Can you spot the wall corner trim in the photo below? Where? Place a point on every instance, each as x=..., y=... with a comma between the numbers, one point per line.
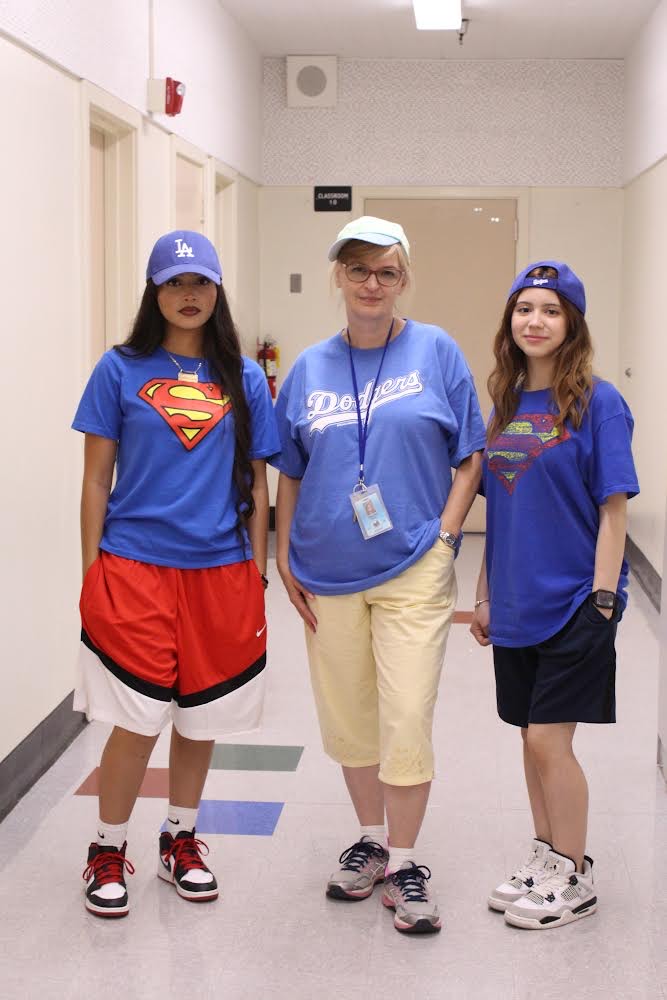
x=648, y=578
x=37, y=752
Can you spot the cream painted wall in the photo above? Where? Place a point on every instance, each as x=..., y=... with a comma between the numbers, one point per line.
x=106, y=43
x=247, y=298
x=42, y=358
x=198, y=43
x=645, y=139
x=203, y=45
x=643, y=348
x=582, y=225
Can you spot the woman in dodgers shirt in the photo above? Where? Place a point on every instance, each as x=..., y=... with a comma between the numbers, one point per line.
x=174, y=556
x=557, y=475
x=369, y=522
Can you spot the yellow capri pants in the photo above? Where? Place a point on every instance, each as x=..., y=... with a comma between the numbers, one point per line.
x=375, y=663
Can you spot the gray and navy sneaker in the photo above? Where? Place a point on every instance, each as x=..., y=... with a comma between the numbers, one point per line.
x=361, y=868
x=181, y=864
x=565, y=895
x=523, y=880
x=106, y=892
x=406, y=893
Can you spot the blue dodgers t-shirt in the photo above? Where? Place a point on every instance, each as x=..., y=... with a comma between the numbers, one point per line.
x=543, y=490
x=173, y=503
x=424, y=419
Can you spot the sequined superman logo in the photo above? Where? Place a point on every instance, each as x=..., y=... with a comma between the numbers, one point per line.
x=522, y=442
x=191, y=410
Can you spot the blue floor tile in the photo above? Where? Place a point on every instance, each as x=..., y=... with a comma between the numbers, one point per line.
x=254, y=819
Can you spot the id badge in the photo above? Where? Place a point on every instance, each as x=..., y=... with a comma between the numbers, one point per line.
x=370, y=512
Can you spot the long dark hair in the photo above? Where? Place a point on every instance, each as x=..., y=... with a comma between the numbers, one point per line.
x=222, y=350
x=573, y=374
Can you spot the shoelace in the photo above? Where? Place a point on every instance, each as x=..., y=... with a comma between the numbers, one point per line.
x=108, y=866
x=411, y=882
x=529, y=871
x=354, y=858
x=187, y=853
x=553, y=884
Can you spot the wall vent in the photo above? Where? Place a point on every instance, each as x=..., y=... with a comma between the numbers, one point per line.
x=312, y=81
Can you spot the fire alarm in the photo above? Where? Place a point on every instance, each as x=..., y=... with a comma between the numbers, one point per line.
x=166, y=96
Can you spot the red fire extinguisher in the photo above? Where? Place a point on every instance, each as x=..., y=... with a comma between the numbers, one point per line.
x=268, y=357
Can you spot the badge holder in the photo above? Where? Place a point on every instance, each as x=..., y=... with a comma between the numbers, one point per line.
x=370, y=512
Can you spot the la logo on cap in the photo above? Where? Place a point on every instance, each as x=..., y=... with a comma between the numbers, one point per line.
x=183, y=250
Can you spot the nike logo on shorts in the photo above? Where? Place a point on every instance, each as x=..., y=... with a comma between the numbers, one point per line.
x=261, y=630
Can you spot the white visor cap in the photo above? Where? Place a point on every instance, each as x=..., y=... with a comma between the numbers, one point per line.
x=368, y=229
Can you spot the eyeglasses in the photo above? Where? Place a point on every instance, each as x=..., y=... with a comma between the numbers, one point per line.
x=387, y=276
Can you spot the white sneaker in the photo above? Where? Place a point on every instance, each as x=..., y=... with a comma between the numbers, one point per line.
x=524, y=879
x=565, y=895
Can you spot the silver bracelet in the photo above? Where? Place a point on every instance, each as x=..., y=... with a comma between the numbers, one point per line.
x=485, y=600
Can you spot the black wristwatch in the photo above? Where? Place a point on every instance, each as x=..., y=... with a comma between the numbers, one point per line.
x=265, y=580
x=604, y=599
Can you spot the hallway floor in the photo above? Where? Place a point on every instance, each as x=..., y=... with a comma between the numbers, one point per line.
x=276, y=817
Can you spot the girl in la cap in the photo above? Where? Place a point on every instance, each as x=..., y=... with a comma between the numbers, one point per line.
x=372, y=421
x=558, y=472
x=174, y=557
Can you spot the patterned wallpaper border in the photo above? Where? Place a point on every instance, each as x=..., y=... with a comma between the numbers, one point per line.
x=459, y=123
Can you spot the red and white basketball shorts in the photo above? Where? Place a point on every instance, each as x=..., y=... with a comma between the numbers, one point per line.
x=161, y=644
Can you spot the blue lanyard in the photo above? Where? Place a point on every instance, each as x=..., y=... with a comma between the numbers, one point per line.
x=363, y=429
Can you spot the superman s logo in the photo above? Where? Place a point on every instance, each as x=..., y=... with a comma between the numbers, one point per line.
x=523, y=442
x=192, y=410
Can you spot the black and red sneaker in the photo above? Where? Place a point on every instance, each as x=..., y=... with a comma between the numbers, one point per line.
x=106, y=892
x=181, y=864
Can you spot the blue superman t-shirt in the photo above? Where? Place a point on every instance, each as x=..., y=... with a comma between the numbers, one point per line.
x=424, y=419
x=173, y=502
x=543, y=490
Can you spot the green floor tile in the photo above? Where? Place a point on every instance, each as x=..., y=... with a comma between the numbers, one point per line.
x=250, y=757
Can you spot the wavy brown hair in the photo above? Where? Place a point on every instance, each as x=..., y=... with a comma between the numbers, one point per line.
x=222, y=350
x=573, y=372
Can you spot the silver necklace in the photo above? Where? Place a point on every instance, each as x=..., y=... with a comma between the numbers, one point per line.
x=184, y=376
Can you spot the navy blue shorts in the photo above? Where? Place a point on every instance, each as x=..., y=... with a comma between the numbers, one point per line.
x=570, y=677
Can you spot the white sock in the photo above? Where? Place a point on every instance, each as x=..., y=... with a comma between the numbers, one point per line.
x=109, y=835
x=397, y=855
x=180, y=818
x=375, y=833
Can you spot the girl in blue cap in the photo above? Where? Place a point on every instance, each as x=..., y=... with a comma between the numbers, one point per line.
x=174, y=557
x=558, y=472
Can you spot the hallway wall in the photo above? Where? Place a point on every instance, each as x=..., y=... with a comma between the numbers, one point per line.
x=643, y=343
x=199, y=43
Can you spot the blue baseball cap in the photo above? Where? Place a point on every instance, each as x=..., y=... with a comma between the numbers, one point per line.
x=566, y=283
x=183, y=252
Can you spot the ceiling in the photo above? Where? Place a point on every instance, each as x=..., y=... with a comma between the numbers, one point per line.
x=498, y=29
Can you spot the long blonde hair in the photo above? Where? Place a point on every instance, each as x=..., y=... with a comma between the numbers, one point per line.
x=573, y=373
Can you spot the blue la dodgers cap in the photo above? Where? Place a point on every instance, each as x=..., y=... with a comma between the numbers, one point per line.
x=182, y=252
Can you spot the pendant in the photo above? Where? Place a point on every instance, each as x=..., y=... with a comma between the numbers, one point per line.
x=187, y=376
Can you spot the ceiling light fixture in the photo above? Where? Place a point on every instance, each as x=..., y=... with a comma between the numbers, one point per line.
x=437, y=15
